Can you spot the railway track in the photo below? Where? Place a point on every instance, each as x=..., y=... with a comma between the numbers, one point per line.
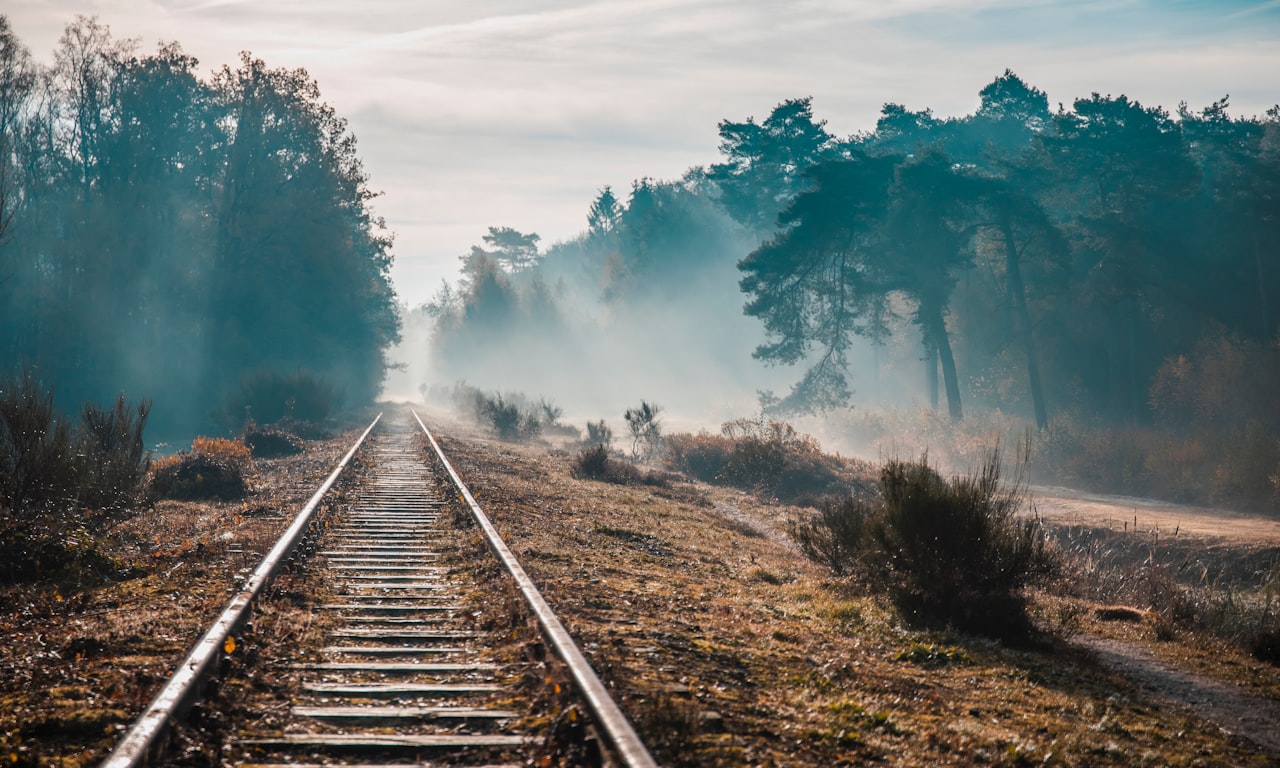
x=398, y=674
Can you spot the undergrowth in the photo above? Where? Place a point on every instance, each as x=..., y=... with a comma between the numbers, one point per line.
x=947, y=552
x=63, y=482
x=1187, y=587
x=769, y=458
x=214, y=468
x=512, y=417
x=269, y=397
x=595, y=463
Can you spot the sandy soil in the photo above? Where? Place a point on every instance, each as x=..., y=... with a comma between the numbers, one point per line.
x=1232, y=707
x=1162, y=518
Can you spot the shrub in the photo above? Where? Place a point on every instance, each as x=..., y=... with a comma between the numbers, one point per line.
x=38, y=464
x=548, y=414
x=60, y=484
x=837, y=536
x=267, y=397
x=512, y=416
x=950, y=552
x=599, y=433
x=215, y=468
x=702, y=456
x=595, y=463
x=954, y=551
x=508, y=419
x=270, y=442
x=768, y=458
x=114, y=455
x=646, y=430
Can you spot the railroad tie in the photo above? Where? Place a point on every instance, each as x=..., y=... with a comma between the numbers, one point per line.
x=400, y=677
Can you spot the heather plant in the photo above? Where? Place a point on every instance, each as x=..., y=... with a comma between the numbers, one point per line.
x=214, y=468
x=955, y=551
x=61, y=483
x=114, y=455
x=599, y=433
x=837, y=536
x=38, y=462
x=595, y=463
x=949, y=552
x=766, y=457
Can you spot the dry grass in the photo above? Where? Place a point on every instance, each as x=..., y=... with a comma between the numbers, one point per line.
x=80, y=662
x=728, y=648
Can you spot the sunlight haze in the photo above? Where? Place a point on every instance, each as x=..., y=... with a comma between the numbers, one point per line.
x=480, y=114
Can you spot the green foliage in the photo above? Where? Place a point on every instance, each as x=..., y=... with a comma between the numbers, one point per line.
x=220, y=224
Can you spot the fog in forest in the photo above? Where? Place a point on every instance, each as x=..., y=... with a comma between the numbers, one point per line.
x=1099, y=280
x=204, y=243
x=1102, y=276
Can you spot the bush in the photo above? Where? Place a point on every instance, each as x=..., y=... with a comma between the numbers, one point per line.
x=267, y=397
x=512, y=416
x=114, y=455
x=270, y=442
x=955, y=552
x=599, y=433
x=508, y=419
x=215, y=468
x=60, y=484
x=646, y=430
x=595, y=463
x=768, y=458
x=950, y=552
x=837, y=536
x=38, y=461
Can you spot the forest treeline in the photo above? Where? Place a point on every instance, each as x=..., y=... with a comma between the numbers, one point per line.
x=1105, y=262
x=168, y=235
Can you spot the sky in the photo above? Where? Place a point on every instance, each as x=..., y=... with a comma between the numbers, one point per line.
x=504, y=113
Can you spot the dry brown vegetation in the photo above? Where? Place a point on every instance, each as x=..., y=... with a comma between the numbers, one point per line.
x=80, y=659
x=723, y=643
x=728, y=647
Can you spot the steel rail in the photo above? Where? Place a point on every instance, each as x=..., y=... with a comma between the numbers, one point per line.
x=618, y=732
x=143, y=740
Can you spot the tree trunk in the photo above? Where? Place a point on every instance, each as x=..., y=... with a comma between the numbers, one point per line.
x=1264, y=310
x=942, y=342
x=1016, y=297
x=931, y=373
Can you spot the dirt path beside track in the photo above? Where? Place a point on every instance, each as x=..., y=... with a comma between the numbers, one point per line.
x=1157, y=518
